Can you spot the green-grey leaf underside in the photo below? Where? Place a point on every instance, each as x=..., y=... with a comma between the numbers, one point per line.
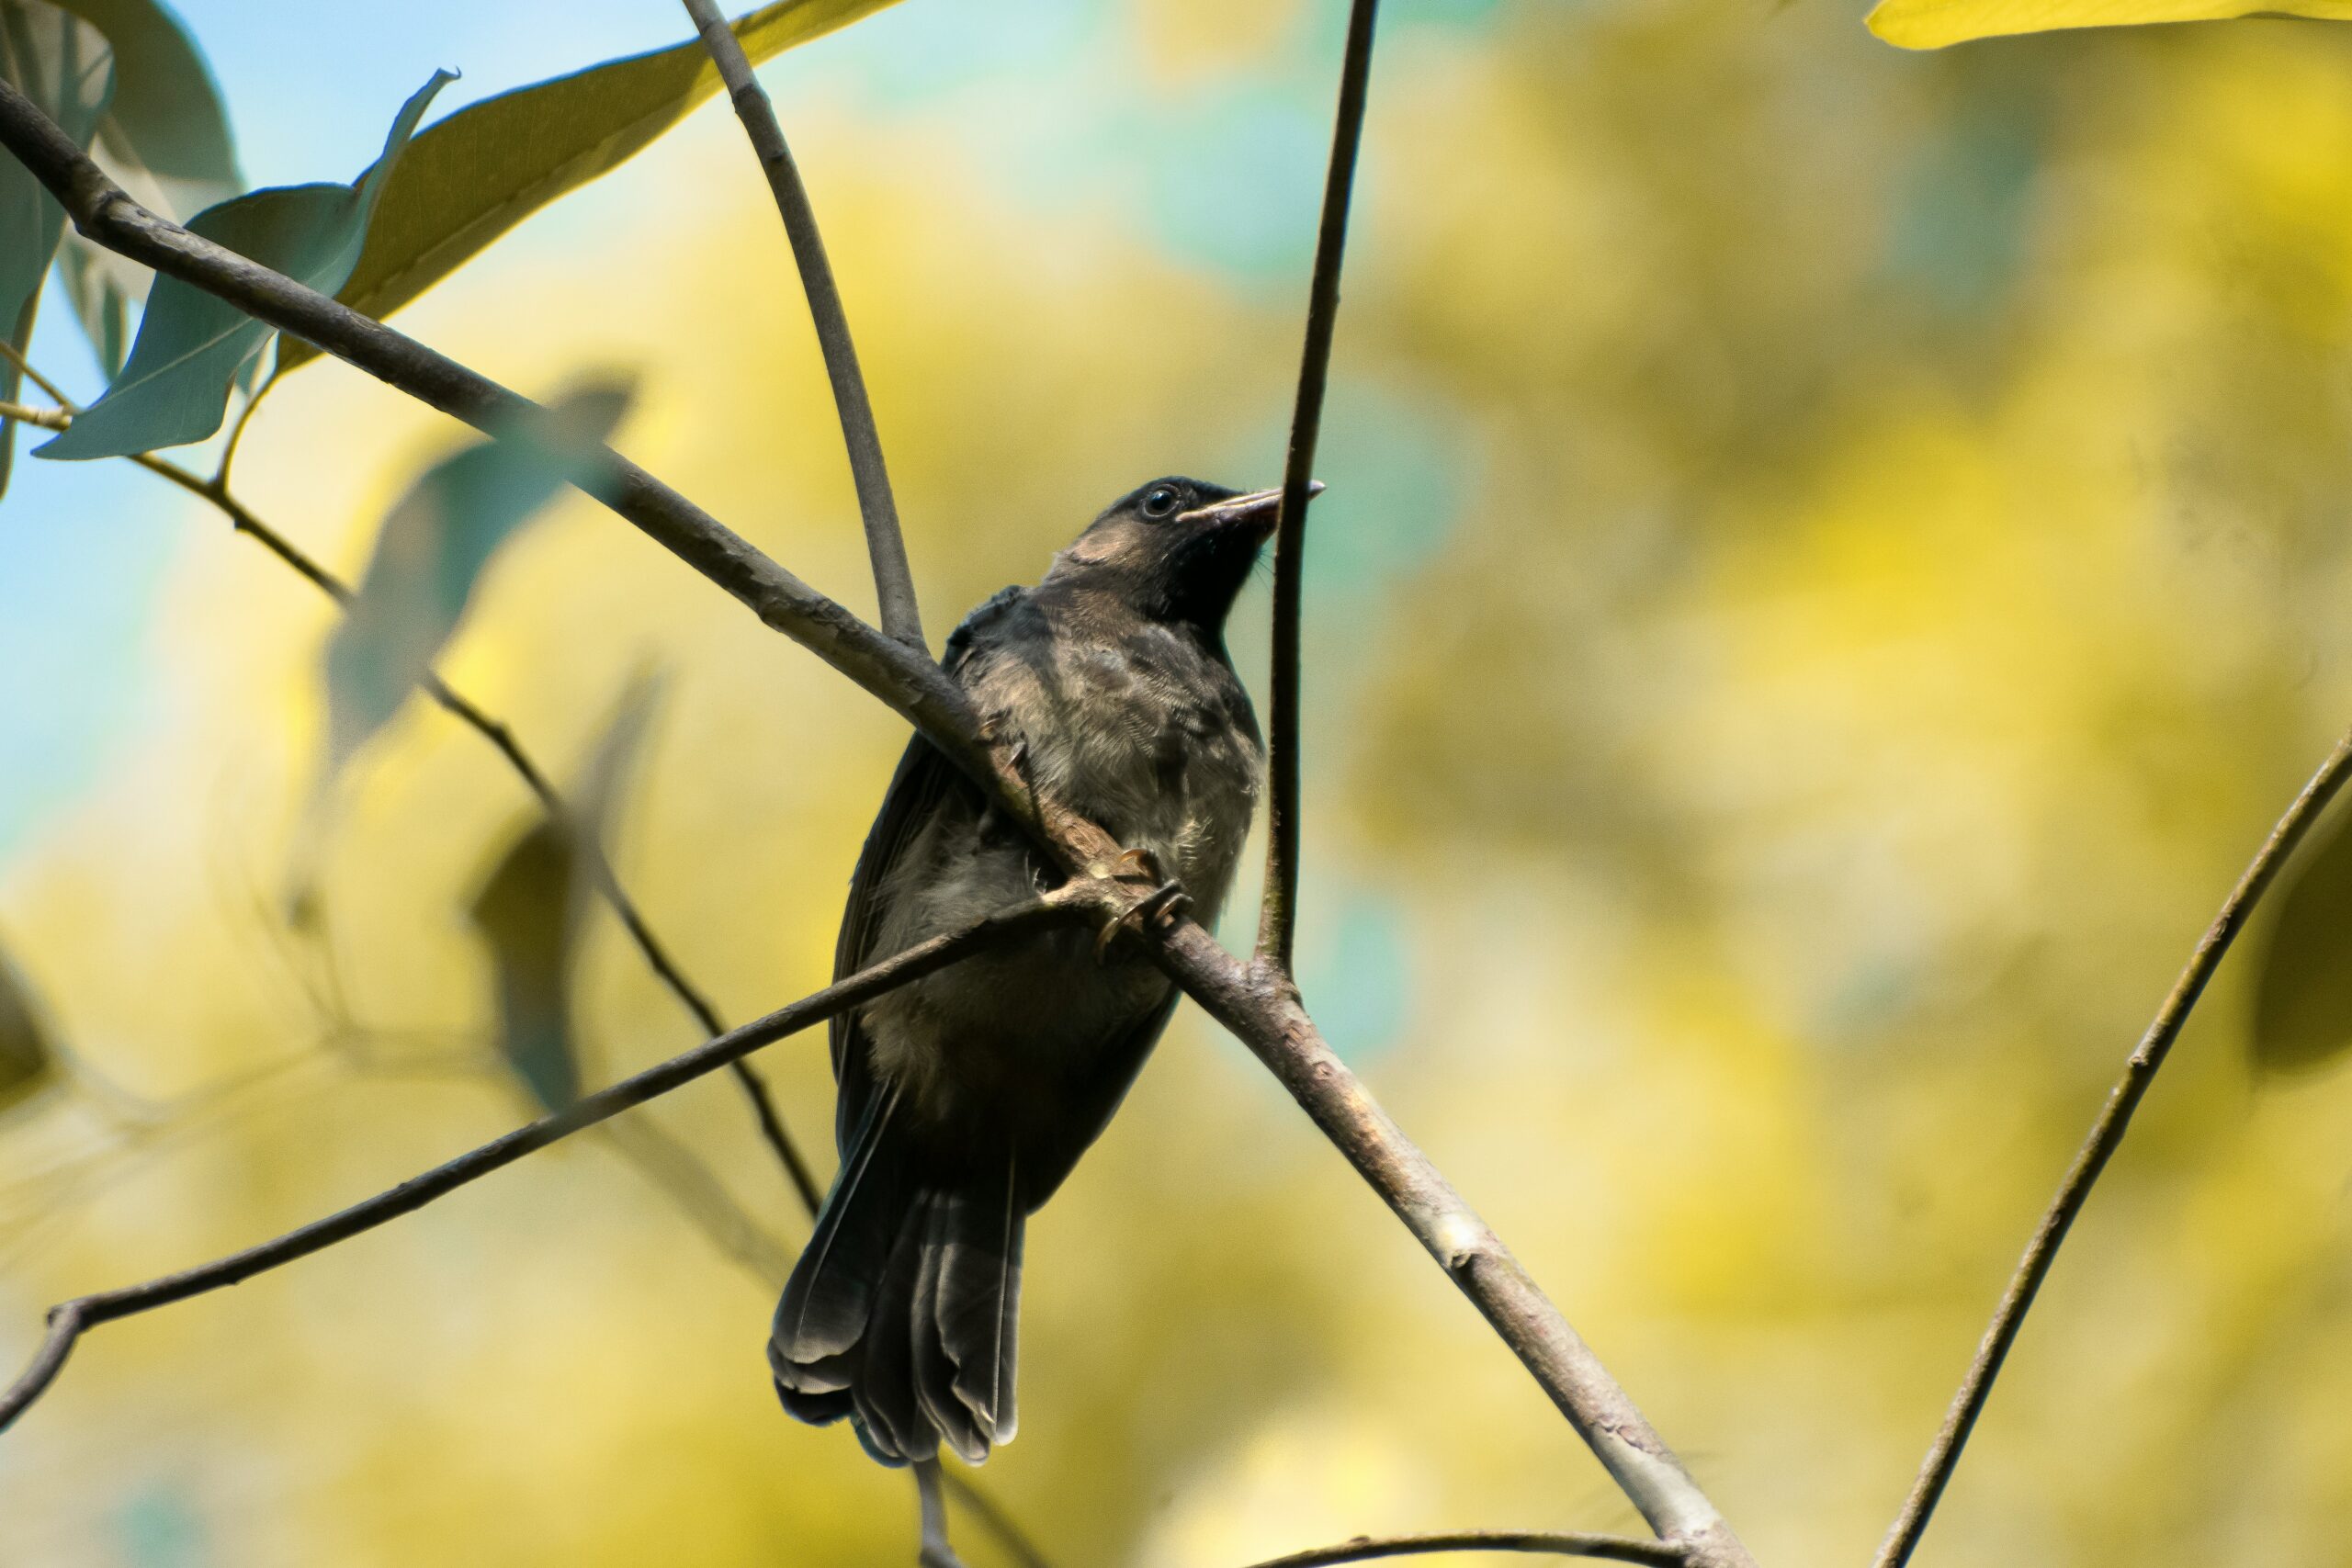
x=486, y=168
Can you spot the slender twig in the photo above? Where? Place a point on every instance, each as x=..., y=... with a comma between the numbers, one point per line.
x=1615, y=1547
x=894, y=583
x=1278, y=910
x=46, y=419
x=14, y=357
x=2106, y=1136
x=70, y=1320
x=501, y=738
x=1255, y=1002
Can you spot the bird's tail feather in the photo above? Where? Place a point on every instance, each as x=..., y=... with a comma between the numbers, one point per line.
x=901, y=1310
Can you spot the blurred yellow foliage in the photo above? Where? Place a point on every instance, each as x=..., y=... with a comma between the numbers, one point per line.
x=1856, y=561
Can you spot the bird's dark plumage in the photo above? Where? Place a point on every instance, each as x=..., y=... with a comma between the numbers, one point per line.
x=964, y=1098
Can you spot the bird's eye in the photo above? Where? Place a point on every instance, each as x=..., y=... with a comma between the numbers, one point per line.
x=1159, y=502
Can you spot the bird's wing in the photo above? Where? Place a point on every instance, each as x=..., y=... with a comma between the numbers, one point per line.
x=924, y=780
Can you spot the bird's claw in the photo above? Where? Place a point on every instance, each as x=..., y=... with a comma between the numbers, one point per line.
x=1162, y=904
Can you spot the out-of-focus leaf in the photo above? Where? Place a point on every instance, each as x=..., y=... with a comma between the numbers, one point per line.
x=167, y=118
x=489, y=166
x=2302, y=1003
x=100, y=301
x=523, y=912
x=25, y=1052
x=533, y=911
x=435, y=547
x=193, y=347
x=1932, y=24
x=63, y=66
x=164, y=139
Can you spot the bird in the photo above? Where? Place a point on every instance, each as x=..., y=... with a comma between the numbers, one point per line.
x=964, y=1098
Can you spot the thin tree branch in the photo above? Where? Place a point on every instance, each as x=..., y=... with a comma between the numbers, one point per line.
x=657, y=957
x=46, y=419
x=1257, y=1001
x=70, y=1320
x=14, y=357
x=1277, y=909
x=894, y=583
x=2106, y=1136
x=1614, y=1548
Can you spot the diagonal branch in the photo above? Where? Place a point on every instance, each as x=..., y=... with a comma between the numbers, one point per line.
x=2106, y=1136
x=1278, y=912
x=1257, y=1002
x=502, y=738
x=894, y=585
x=70, y=1320
x=1579, y=1543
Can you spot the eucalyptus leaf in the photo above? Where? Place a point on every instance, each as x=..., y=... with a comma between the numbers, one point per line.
x=2302, y=1005
x=1932, y=24
x=25, y=1056
x=534, y=906
x=193, y=347
x=167, y=117
x=101, y=300
x=64, y=66
x=435, y=547
x=484, y=169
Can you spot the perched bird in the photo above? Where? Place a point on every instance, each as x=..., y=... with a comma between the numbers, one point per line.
x=965, y=1097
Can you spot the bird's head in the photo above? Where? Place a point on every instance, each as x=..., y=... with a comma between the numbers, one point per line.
x=1175, y=550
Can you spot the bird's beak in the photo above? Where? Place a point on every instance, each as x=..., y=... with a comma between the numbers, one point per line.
x=1256, y=511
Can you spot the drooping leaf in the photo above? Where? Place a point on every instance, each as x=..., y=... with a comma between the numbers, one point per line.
x=1932, y=24
x=101, y=300
x=524, y=912
x=167, y=118
x=435, y=547
x=486, y=167
x=165, y=140
x=2302, y=1005
x=63, y=65
x=533, y=912
x=25, y=1052
x=192, y=348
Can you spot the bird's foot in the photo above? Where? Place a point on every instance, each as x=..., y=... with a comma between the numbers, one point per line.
x=1159, y=906
x=1140, y=864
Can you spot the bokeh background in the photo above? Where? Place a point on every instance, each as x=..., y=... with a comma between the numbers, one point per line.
x=1833, y=559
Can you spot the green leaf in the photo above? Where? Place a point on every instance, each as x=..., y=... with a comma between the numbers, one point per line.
x=167, y=118
x=486, y=168
x=165, y=140
x=193, y=347
x=433, y=548
x=2303, y=1004
x=26, y=1057
x=64, y=67
x=533, y=911
x=1932, y=24
x=101, y=302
